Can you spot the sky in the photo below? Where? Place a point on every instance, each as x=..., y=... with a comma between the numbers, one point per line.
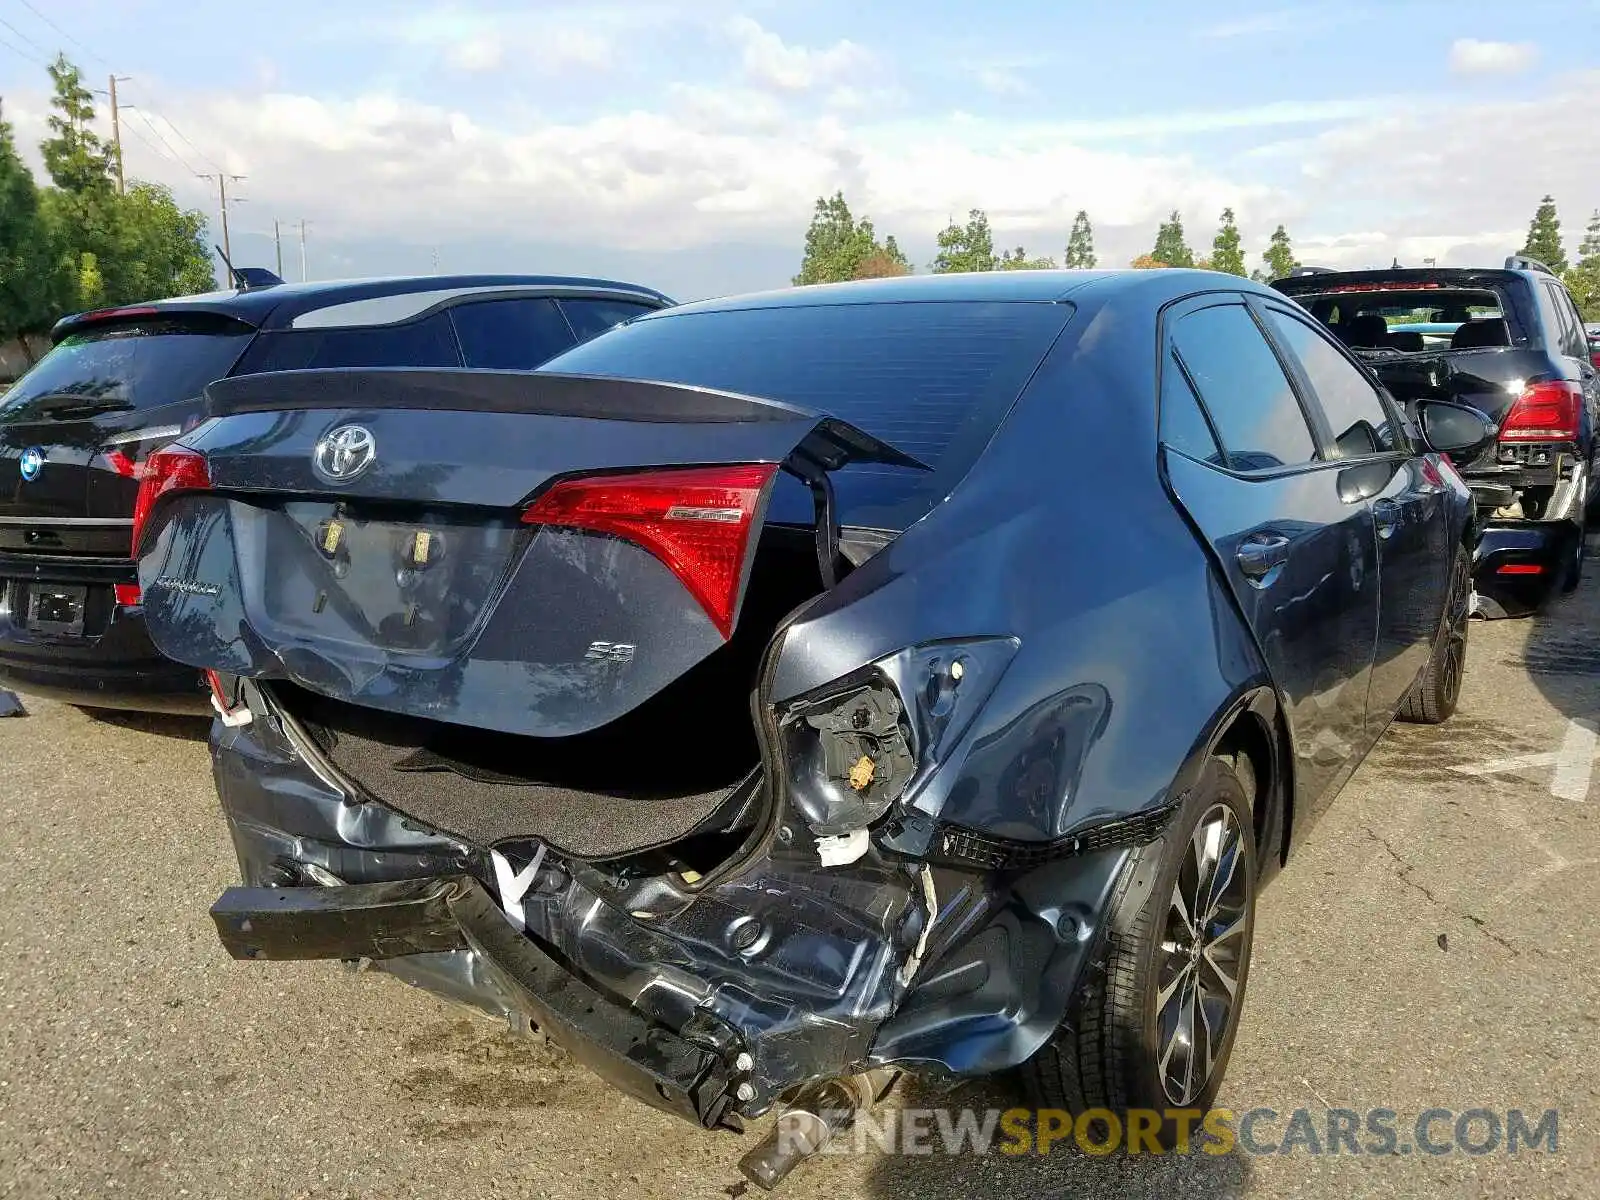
x=684, y=145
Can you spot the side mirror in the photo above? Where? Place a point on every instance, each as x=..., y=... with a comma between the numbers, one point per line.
x=1454, y=428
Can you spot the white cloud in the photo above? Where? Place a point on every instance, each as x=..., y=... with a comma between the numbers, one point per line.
x=1469, y=56
x=769, y=60
x=478, y=53
x=731, y=156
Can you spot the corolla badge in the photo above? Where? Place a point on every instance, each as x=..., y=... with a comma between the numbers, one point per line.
x=31, y=463
x=345, y=452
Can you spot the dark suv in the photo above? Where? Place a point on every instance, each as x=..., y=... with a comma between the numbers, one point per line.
x=1510, y=343
x=120, y=383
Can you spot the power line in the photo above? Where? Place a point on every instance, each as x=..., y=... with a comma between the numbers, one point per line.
x=183, y=137
x=20, y=53
x=152, y=127
x=23, y=36
x=27, y=5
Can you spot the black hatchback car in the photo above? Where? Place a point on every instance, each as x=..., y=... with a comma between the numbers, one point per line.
x=120, y=383
x=1509, y=342
x=778, y=691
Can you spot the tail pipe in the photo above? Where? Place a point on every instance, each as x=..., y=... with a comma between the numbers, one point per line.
x=810, y=1121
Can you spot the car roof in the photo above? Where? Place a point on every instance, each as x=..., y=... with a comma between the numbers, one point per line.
x=974, y=286
x=278, y=305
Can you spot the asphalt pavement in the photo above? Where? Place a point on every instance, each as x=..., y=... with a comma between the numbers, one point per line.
x=1430, y=946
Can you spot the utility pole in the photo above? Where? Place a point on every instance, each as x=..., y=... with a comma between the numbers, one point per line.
x=302, y=249
x=222, y=201
x=277, y=241
x=116, y=127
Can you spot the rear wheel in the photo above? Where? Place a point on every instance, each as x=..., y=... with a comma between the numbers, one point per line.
x=1156, y=1025
x=1433, y=697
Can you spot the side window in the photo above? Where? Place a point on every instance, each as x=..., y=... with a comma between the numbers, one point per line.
x=1552, y=335
x=426, y=343
x=593, y=317
x=510, y=335
x=1355, y=412
x=1572, y=339
x=1183, y=424
x=1244, y=389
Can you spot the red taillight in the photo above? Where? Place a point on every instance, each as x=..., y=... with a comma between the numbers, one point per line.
x=166, y=471
x=1544, y=412
x=1520, y=569
x=696, y=520
x=125, y=593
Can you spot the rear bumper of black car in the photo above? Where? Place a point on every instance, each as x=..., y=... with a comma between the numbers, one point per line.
x=1518, y=564
x=708, y=1003
x=112, y=663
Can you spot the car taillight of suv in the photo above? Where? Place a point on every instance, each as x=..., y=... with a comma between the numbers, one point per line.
x=1544, y=412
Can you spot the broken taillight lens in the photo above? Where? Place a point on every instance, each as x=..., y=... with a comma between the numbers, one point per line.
x=177, y=469
x=1544, y=412
x=696, y=520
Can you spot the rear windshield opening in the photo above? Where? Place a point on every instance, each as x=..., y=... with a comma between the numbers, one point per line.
x=933, y=379
x=680, y=764
x=123, y=367
x=1412, y=320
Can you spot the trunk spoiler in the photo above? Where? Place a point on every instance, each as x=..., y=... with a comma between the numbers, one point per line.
x=832, y=444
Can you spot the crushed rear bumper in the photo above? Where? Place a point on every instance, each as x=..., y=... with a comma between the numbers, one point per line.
x=711, y=1003
x=697, y=1081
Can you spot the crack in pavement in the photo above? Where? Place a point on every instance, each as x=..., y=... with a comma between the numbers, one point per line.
x=1403, y=873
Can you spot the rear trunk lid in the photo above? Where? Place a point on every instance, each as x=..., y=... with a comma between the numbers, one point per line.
x=446, y=544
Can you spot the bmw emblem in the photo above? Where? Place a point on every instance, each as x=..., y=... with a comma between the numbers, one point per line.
x=31, y=463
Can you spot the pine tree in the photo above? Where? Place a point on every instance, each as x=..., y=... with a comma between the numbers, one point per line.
x=73, y=154
x=1583, y=279
x=838, y=247
x=1170, y=247
x=1226, y=254
x=1080, y=244
x=1279, y=255
x=968, y=247
x=1544, y=237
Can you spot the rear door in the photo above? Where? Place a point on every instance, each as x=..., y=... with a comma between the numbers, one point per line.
x=1299, y=556
x=1408, y=499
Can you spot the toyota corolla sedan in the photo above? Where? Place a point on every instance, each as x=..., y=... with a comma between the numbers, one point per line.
x=781, y=692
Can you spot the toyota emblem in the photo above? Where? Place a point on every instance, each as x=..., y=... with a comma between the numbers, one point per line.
x=345, y=452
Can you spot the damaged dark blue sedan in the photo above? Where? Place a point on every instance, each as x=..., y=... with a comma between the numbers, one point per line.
x=780, y=692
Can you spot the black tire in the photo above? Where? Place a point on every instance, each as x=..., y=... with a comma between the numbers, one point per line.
x=1433, y=697
x=1115, y=1050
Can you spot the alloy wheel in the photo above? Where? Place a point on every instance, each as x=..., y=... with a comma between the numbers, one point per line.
x=1458, y=615
x=1202, y=955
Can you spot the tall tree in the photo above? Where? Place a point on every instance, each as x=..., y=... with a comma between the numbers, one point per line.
x=1170, y=247
x=31, y=286
x=968, y=247
x=73, y=154
x=1018, y=260
x=1544, y=237
x=161, y=250
x=1279, y=255
x=1226, y=253
x=1080, y=244
x=1583, y=278
x=838, y=247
